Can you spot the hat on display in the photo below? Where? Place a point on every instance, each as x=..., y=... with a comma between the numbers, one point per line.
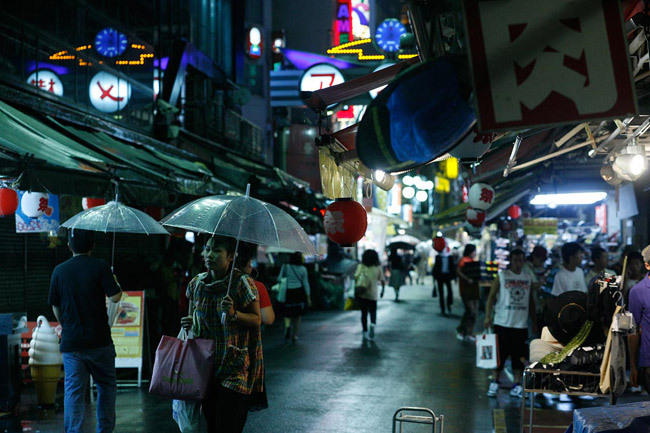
x=421, y=115
x=566, y=315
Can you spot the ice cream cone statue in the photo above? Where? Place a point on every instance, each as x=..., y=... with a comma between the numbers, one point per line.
x=45, y=361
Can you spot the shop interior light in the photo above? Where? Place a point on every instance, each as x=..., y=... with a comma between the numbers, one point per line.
x=407, y=180
x=568, y=198
x=383, y=180
x=378, y=175
x=429, y=185
x=421, y=196
x=408, y=192
x=630, y=163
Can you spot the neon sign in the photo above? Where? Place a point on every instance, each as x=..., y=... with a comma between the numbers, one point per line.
x=347, y=48
x=343, y=22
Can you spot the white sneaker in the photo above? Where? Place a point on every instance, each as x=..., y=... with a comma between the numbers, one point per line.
x=636, y=389
x=493, y=389
x=517, y=391
x=470, y=338
x=365, y=335
x=460, y=336
x=371, y=332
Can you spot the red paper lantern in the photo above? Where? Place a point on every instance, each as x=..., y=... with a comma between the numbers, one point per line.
x=439, y=243
x=345, y=221
x=8, y=201
x=514, y=211
x=475, y=217
x=89, y=202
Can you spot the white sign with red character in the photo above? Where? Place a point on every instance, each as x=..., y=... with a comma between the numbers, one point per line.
x=319, y=77
x=46, y=80
x=545, y=62
x=109, y=93
x=481, y=196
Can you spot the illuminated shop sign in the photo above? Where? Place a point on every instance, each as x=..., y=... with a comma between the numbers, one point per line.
x=46, y=80
x=343, y=22
x=109, y=93
x=254, y=43
x=319, y=77
x=360, y=48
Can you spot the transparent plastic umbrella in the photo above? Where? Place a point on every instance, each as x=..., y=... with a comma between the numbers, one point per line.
x=115, y=217
x=243, y=218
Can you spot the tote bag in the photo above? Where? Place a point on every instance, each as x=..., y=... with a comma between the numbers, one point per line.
x=487, y=351
x=183, y=367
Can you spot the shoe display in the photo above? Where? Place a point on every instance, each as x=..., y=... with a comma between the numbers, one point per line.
x=517, y=391
x=371, y=332
x=493, y=389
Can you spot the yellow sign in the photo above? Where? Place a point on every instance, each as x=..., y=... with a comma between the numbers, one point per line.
x=441, y=185
x=450, y=168
x=127, y=330
x=538, y=226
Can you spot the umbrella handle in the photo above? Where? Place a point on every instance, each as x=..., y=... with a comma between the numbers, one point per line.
x=234, y=259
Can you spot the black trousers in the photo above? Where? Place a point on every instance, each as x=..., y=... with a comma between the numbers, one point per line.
x=440, y=282
x=224, y=410
x=367, y=306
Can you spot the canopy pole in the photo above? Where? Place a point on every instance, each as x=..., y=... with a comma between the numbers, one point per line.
x=234, y=259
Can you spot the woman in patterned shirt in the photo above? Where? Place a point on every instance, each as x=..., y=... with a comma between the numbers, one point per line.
x=238, y=355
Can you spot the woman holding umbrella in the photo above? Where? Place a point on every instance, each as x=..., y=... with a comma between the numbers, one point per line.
x=237, y=370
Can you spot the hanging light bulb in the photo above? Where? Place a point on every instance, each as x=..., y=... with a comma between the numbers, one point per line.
x=631, y=162
x=383, y=180
x=421, y=196
x=407, y=180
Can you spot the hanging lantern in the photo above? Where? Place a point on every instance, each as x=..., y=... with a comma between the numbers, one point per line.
x=475, y=217
x=35, y=204
x=89, y=202
x=345, y=221
x=8, y=201
x=439, y=243
x=481, y=196
x=514, y=211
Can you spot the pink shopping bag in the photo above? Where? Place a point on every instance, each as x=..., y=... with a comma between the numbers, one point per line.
x=183, y=367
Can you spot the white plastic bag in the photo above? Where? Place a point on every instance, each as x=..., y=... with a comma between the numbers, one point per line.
x=487, y=351
x=187, y=415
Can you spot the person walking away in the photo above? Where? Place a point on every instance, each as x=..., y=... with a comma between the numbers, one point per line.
x=601, y=261
x=512, y=289
x=366, y=277
x=570, y=276
x=634, y=273
x=78, y=291
x=639, y=343
x=420, y=261
x=238, y=355
x=468, y=271
x=397, y=272
x=297, y=297
x=444, y=272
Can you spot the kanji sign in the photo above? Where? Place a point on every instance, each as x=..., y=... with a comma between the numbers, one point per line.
x=38, y=212
x=545, y=62
x=109, y=93
x=46, y=80
x=320, y=76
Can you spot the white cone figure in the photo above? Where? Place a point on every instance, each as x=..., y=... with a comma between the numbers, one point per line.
x=45, y=361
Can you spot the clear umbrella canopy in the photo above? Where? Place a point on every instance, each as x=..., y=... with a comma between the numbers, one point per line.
x=115, y=217
x=244, y=218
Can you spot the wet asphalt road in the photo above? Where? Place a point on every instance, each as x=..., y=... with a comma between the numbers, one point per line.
x=331, y=381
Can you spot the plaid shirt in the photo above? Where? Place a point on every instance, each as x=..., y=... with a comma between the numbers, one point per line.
x=239, y=364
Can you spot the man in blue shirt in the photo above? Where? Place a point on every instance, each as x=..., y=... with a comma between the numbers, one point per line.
x=78, y=292
x=640, y=308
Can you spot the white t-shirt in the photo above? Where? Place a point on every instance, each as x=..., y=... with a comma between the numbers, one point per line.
x=566, y=280
x=513, y=301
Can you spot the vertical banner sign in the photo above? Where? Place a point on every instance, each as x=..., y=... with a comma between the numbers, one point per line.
x=342, y=25
x=546, y=62
x=37, y=212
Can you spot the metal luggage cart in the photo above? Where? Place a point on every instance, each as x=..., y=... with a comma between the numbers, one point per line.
x=430, y=418
x=575, y=382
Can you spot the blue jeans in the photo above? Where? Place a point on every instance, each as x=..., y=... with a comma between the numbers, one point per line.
x=100, y=363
